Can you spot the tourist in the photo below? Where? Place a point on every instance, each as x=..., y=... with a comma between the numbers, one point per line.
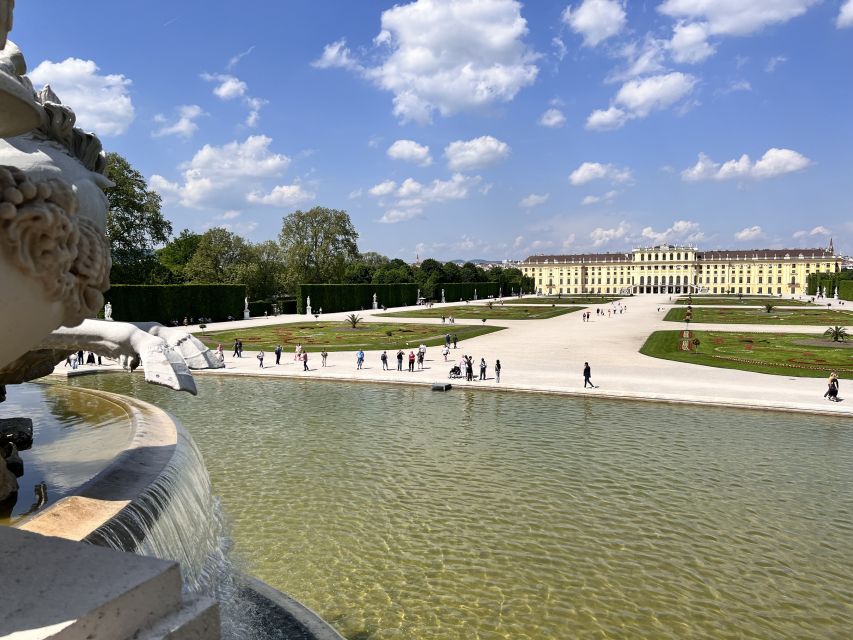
x=305, y=361
x=80, y=358
x=411, y=361
x=455, y=340
x=587, y=372
x=420, y=359
x=422, y=352
x=260, y=357
x=278, y=354
x=90, y=359
x=400, y=356
x=236, y=349
x=297, y=353
x=482, y=368
x=832, y=387
x=469, y=368
x=447, y=339
x=324, y=354
x=68, y=362
x=444, y=351
x=384, y=359
x=359, y=359
x=239, y=348
x=497, y=370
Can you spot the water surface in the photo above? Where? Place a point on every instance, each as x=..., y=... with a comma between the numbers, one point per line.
x=400, y=513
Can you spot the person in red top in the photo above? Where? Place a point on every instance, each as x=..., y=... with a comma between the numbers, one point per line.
x=411, y=360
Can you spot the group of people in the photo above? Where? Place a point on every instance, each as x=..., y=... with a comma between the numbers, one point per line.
x=616, y=308
x=466, y=364
x=832, y=387
x=80, y=358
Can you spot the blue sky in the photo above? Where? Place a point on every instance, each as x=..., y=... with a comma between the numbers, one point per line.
x=473, y=128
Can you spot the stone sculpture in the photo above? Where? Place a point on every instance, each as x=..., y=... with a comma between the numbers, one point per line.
x=308, y=306
x=375, y=303
x=108, y=311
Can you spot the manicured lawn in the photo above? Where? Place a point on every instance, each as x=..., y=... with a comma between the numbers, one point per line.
x=585, y=300
x=337, y=336
x=782, y=354
x=820, y=317
x=479, y=311
x=747, y=302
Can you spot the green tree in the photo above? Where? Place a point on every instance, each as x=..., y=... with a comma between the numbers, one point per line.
x=261, y=269
x=220, y=257
x=176, y=255
x=317, y=245
x=838, y=334
x=135, y=223
x=358, y=273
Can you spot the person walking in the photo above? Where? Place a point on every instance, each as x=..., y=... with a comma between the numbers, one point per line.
x=239, y=348
x=497, y=370
x=359, y=359
x=482, y=368
x=80, y=358
x=420, y=358
x=587, y=372
x=305, y=361
x=68, y=362
x=411, y=361
x=444, y=351
x=469, y=368
x=384, y=359
x=400, y=355
x=324, y=354
x=455, y=340
x=261, y=359
x=447, y=339
x=236, y=349
x=278, y=354
x=832, y=387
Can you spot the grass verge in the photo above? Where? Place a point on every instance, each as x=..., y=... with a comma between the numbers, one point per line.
x=781, y=354
x=817, y=317
x=479, y=311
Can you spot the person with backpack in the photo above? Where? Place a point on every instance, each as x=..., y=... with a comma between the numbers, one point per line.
x=384, y=359
x=277, y=353
x=400, y=355
x=261, y=359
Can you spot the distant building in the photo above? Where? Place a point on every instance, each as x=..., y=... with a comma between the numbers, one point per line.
x=681, y=269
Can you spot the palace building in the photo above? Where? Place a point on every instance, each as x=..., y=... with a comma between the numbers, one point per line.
x=681, y=269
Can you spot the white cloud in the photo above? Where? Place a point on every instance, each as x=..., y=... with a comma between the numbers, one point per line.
x=473, y=154
x=227, y=87
x=774, y=62
x=607, y=119
x=689, y=43
x=184, y=127
x=749, y=233
x=680, y=231
x=559, y=48
x=569, y=241
x=552, y=118
x=816, y=231
x=230, y=215
x=218, y=175
x=774, y=162
x=738, y=85
x=392, y=216
x=643, y=58
x=234, y=60
x=101, y=102
x=601, y=236
x=607, y=197
x=355, y=194
x=589, y=171
x=595, y=20
x=845, y=15
x=638, y=98
x=336, y=54
x=533, y=200
x=410, y=151
x=446, y=56
x=284, y=195
x=736, y=17
x=383, y=188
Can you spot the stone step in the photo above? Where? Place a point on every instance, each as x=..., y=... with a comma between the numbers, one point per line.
x=197, y=619
x=66, y=590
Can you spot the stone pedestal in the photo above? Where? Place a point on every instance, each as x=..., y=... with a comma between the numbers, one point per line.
x=246, y=314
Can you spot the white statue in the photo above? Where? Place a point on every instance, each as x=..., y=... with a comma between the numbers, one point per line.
x=108, y=311
x=375, y=303
x=475, y=294
x=308, y=306
x=54, y=255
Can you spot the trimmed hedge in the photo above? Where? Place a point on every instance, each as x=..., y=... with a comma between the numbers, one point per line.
x=845, y=290
x=827, y=281
x=174, y=302
x=352, y=297
x=456, y=291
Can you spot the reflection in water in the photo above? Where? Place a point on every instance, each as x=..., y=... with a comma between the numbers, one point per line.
x=402, y=513
x=74, y=436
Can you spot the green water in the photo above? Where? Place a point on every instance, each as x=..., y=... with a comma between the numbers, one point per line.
x=400, y=513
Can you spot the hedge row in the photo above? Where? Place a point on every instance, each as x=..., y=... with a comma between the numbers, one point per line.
x=456, y=291
x=827, y=282
x=257, y=308
x=168, y=303
x=845, y=290
x=352, y=297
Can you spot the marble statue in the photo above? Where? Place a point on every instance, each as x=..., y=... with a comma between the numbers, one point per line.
x=308, y=306
x=375, y=303
x=442, y=295
x=108, y=311
x=54, y=254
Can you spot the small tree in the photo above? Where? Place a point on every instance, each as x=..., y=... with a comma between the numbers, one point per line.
x=353, y=320
x=838, y=334
x=769, y=307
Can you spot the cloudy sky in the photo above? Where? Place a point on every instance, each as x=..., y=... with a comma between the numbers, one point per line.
x=473, y=128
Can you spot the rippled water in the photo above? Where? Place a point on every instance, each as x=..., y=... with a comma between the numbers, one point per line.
x=400, y=513
x=74, y=436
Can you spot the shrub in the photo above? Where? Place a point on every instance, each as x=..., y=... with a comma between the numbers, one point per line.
x=167, y=303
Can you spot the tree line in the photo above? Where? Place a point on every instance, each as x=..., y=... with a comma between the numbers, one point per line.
x=318, y=246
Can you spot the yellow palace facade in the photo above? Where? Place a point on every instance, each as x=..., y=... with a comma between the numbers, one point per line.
x=680, y=269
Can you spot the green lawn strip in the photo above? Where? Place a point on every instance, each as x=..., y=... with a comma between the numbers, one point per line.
x=781, y=354
x=337, y=336
x=747, y=302
x=584, y=300
x=478, y=312
x=817, y=317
